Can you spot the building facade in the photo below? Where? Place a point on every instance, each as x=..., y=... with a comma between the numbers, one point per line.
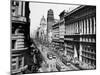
x=20, y=35
x=80, y=36
x=62, y=31
x=55, y=34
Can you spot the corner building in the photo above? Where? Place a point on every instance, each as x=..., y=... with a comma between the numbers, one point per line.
x=20, y=35
x=80, y=36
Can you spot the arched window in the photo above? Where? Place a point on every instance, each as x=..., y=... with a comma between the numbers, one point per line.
x=19, y=31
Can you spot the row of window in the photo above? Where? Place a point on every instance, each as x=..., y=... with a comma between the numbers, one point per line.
x=88, y=39
x=88, y=55
x=89, y=49
x=88, y=61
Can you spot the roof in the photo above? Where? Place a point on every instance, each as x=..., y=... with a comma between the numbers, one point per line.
x=74, y=10
x=43, y=21
x=62, y=12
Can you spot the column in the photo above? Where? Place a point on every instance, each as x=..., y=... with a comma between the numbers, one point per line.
x=22, y=61
x=80, y=56
x=77, y=27
x=90, y=25
x=69, y=29
x=81, y=22
x=94, y=25
x=87, y=26
x=17, y=62
x=84, y=27
x=65, y=53
x=23, y=8
x=75, y=52
x=19, y=8
x=81, y=27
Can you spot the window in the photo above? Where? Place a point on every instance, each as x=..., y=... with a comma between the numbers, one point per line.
x=13, y=67
x=15, y=3
x=92, y=50
x=13, y=44
x=20, y=63
x=13, y=62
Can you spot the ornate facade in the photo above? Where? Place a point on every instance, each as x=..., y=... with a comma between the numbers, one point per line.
x=20, y=35
x=42, y=30
x=80, y=37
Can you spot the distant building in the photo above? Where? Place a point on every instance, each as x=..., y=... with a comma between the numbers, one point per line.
x=80, y=36
x=43, y=24
x=20, y=35
x=50, y=21
x=42, y=30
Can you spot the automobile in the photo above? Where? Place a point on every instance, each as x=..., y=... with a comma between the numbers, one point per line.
x=49, y=56
x=54, y=56
x=58, y=66
x=63, y=68
x=61, y=49
x=68, y=64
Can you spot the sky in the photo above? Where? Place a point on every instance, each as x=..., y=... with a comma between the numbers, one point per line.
x=37, y=10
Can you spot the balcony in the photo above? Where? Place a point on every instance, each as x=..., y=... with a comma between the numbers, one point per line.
x=18, y=50
x=17, y=36
x=18, y=18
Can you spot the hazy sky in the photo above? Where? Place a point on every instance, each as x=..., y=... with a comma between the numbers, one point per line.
x=37, y=10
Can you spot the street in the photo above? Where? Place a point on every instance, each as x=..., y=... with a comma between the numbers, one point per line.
x=54, y=65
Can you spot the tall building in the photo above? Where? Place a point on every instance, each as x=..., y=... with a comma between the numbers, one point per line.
x=50, y=21
x=20, y=35
x=80, y=36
